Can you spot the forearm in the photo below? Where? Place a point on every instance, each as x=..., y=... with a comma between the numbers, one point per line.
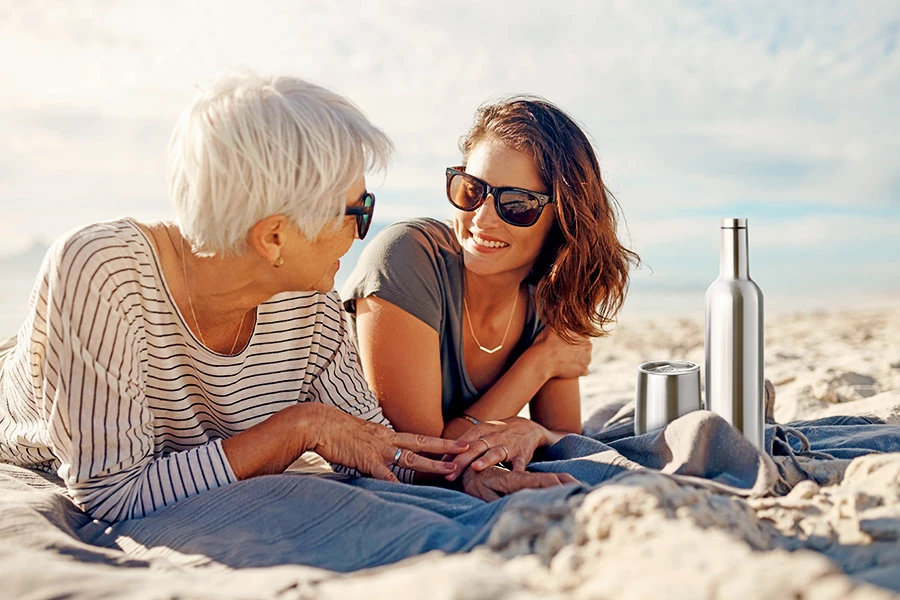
x=271, y=446
x=152, y=484
x=557, y=406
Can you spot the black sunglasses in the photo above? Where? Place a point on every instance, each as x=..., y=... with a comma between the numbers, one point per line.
x=363, y=213
x=515, y=206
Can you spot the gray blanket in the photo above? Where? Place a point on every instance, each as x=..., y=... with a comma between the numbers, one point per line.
x=298, y=529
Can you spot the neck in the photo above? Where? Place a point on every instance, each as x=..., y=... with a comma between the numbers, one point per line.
x=221, y=289
x=733, y=260
x=487, y=294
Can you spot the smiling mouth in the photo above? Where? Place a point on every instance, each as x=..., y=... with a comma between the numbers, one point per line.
x=480, y=241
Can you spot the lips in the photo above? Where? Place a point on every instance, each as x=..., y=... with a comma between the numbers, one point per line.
x=486, y=241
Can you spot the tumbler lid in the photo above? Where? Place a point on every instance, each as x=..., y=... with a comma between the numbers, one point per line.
x=668, y=367
x=734, y=223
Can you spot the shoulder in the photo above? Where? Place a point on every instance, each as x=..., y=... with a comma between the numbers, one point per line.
x=410, y=264
x=96, y=253
x=111, y=237
x=414, y=237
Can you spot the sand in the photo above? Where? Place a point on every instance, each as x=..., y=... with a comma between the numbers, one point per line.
x=646, y=536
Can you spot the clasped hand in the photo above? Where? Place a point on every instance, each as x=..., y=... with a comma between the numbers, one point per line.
x=492, y=442
x=370, y=448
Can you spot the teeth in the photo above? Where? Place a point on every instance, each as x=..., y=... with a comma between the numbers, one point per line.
x=487, y=243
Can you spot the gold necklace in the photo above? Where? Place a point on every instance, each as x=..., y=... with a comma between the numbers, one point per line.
x=187, y=288
x=505, y=333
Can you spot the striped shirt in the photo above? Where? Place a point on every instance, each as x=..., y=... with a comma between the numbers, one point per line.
x=107, y=386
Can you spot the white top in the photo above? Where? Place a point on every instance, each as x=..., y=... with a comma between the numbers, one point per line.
x=108, y=386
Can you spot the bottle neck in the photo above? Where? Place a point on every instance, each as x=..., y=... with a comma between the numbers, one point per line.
x=734, y=262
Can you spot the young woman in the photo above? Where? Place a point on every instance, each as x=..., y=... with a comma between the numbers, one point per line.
x=464, y=323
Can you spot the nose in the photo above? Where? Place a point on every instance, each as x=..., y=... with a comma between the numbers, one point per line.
x=486, y=214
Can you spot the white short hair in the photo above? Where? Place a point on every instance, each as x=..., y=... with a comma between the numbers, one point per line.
x=250, y=147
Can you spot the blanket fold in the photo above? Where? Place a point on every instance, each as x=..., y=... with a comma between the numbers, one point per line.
x=344, y=524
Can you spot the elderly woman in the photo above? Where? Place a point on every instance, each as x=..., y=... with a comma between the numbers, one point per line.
x=161, y=360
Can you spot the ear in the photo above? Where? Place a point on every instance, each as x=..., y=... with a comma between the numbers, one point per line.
x=268, y=237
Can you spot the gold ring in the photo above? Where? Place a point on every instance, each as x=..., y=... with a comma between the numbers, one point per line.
x=505, y=451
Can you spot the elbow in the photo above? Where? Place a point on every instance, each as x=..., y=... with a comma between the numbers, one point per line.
x=403, y=424
x=564, y=428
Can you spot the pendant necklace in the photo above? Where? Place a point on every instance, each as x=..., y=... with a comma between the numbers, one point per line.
x=505, y=333
x=187, y=288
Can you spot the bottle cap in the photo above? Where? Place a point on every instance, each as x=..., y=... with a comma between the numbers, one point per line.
x=734, y=223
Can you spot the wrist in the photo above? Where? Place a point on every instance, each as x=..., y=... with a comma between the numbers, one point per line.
x=538, y=362
x=552, y=437
x=306, y=423
x=547, y=437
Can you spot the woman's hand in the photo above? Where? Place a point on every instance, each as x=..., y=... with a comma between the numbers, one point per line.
x=563, y=359
x=513, y=440
x=370, y=448
x=493, y=483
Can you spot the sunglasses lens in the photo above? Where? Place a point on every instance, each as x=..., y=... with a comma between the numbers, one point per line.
x=519, y=208
x=364, y=221
x=464, y=193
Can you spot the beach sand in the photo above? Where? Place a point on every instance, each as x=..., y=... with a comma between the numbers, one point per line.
x=646, y=536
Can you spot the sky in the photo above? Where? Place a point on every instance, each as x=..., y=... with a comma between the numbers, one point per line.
x=786, y=113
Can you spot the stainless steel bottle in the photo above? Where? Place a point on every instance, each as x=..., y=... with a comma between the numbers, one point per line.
x=734, y=338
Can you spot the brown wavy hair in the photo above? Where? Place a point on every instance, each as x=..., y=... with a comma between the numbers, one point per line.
x=582, y=272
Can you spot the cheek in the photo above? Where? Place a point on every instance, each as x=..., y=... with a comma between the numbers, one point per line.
x=343, y=238
x=538, y=236
x=461, y=222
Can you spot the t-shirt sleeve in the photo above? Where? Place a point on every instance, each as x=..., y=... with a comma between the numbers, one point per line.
x=402, y=265
x=88, y=348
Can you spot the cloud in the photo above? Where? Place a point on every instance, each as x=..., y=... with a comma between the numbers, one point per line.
x=693, y=106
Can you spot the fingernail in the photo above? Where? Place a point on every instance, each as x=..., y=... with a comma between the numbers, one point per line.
x=462, y=444
x=450, y=466
x=477, y=464
x=450, y=477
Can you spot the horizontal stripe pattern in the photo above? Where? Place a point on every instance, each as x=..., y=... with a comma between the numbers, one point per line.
x=107, y=386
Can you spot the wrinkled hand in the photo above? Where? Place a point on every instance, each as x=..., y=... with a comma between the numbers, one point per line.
x=513, y=440
x=494, y=483
x=370, y=448
x=565, y=360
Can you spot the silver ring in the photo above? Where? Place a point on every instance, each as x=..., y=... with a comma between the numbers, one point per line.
x=397, y=456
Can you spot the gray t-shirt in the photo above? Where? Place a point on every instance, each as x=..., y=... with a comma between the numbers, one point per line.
x=418, y=266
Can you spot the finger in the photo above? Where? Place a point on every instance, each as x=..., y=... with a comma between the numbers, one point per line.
x=482, y=489
x=492, y=457
x=519, y=463
x=565, y=478
x=411, y=460
x=547, y=480
x=475, y=432
x=476, y=449
x=489, y=495
x=521, y=481
x=425, y=443
x=380, y=471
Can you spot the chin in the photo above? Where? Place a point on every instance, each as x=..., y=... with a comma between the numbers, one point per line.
x=484, y=266
x=324, y=285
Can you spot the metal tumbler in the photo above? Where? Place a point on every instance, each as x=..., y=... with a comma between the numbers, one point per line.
x=666, y=390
